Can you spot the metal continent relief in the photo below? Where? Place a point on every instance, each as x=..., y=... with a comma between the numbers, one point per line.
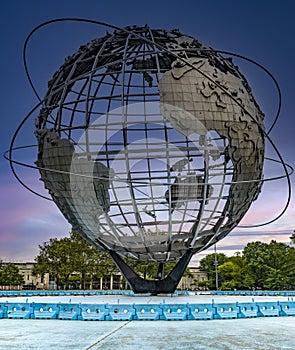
x=191, y=102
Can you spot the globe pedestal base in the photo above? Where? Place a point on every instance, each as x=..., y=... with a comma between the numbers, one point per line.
x=166, y=285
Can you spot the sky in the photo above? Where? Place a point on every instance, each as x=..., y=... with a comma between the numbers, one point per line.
x=262, y=30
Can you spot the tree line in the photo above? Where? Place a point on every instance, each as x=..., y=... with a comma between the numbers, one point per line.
x=268, y=266
x=73, y=261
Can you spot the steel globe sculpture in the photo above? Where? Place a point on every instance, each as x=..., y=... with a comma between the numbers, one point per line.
x=152, y=146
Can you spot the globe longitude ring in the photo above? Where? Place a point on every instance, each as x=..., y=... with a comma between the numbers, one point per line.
x=152, y=146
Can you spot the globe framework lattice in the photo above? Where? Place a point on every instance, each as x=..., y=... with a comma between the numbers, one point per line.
x=150, y=143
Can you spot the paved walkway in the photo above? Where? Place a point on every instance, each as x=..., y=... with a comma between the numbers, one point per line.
x=257, y=334
x=144, y=299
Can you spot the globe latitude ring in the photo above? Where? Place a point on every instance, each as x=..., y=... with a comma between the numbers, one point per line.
x=152, y=146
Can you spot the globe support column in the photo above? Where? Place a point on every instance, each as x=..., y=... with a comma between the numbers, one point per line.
x=166, y=285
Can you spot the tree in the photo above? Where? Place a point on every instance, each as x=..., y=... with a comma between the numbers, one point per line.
x=72, y=259
x=257, y=257
x=270, y=265
x=234, y=274
x=207, y=264
x=292, y=238
x=261, y=265
x=55, y=258
x=88, y=261
x=9, y=275
x=276, y=280
x=288, y=269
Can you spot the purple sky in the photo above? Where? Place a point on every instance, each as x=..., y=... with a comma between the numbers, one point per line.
x=261, y=30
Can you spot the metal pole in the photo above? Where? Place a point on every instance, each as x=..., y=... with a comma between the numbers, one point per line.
x=216, y=268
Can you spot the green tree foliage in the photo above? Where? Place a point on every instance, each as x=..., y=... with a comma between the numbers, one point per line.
x=88, y=262
x=72, y=259
x=9, y=275
x=261, y=265
x=234, y=274
x=55, y=258
x=207, y=264
x=271, y=265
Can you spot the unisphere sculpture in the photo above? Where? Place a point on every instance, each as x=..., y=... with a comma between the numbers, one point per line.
x=152, y=146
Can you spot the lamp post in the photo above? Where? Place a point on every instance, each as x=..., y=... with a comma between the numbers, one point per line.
x=216, y=268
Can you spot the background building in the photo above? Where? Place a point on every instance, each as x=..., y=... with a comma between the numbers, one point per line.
x=193, y=281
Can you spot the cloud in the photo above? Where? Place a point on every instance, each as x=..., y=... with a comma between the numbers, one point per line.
x=236, y=241
x=257, y=233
